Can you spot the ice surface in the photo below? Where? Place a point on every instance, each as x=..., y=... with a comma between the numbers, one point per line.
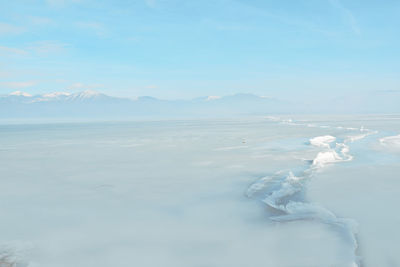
x=391, y=141
x=240, y=192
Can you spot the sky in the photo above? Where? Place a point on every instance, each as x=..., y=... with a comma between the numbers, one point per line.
x=175, y=49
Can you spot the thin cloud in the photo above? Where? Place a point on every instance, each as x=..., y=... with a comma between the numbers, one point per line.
x=284, y=19
x=40, y=21
x=5, y=74
x=387, y=91
x=61, y=3
x=95, y=27
x=6, y=28
x=82, y=86
x=151, y=3
x=4, y=50
x=223, y=26
x=47, y=47
x=40, y=48
x=347, y=15
x=75, y=86
x=16, y=85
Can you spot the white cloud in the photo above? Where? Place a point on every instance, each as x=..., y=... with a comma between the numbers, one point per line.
x=223, y=26
x=4, y=50
x=5, y=74
x=61, y=3
x=6, y=28
x=213, y=97
x=16, y=85
x=95, y=27
x=39, y=20
x=347, y=15
x=34, y=49
x=76, y=86
x=151, y=3
x=47, y=47
x=80, y=86
x=246, y=6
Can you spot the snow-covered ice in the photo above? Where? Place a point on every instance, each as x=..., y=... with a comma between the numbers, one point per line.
x=277, y=191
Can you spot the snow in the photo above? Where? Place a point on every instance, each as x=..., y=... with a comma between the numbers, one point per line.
x=391, y=141
x=19, y=93
x=85, y=94
x=322, y=141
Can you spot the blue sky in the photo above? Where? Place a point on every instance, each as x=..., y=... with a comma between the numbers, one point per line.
x=182, y=49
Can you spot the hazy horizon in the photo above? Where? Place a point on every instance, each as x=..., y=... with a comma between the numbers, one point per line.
x=174, y=49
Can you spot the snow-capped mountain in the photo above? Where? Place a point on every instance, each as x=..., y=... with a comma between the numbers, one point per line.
x=88, y=104
x=86, y=95
x=92, y=104
x=24, y=97
x=55, y=96
x=19, y=93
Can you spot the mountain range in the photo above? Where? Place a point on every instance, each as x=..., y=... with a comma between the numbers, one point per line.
x=91, y=104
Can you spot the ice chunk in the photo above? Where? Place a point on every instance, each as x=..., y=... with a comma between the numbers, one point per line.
x=322, y=141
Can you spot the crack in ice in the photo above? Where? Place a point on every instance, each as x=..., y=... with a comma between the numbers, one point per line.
x=286, y=193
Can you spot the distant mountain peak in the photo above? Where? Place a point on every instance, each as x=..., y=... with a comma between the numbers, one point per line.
x=19, y=93
x=88, y=94
x=94, y=104
x=85, y=95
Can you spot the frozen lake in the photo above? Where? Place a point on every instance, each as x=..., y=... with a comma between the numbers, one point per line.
x=272, y=191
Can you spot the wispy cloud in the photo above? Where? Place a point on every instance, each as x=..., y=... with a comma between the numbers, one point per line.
x=5, y=74
x=76, y=86
x=283, y=18
x=6, y=28
x=94, y=27
x=17, y=85
x=347, y=16
x=40, y=48
x=151, y=3
x=39, y=20
x=83, y=86
x=224, y=26
x=388, y=91
x=61, y=3
x=47, y=47
x=4, y=50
